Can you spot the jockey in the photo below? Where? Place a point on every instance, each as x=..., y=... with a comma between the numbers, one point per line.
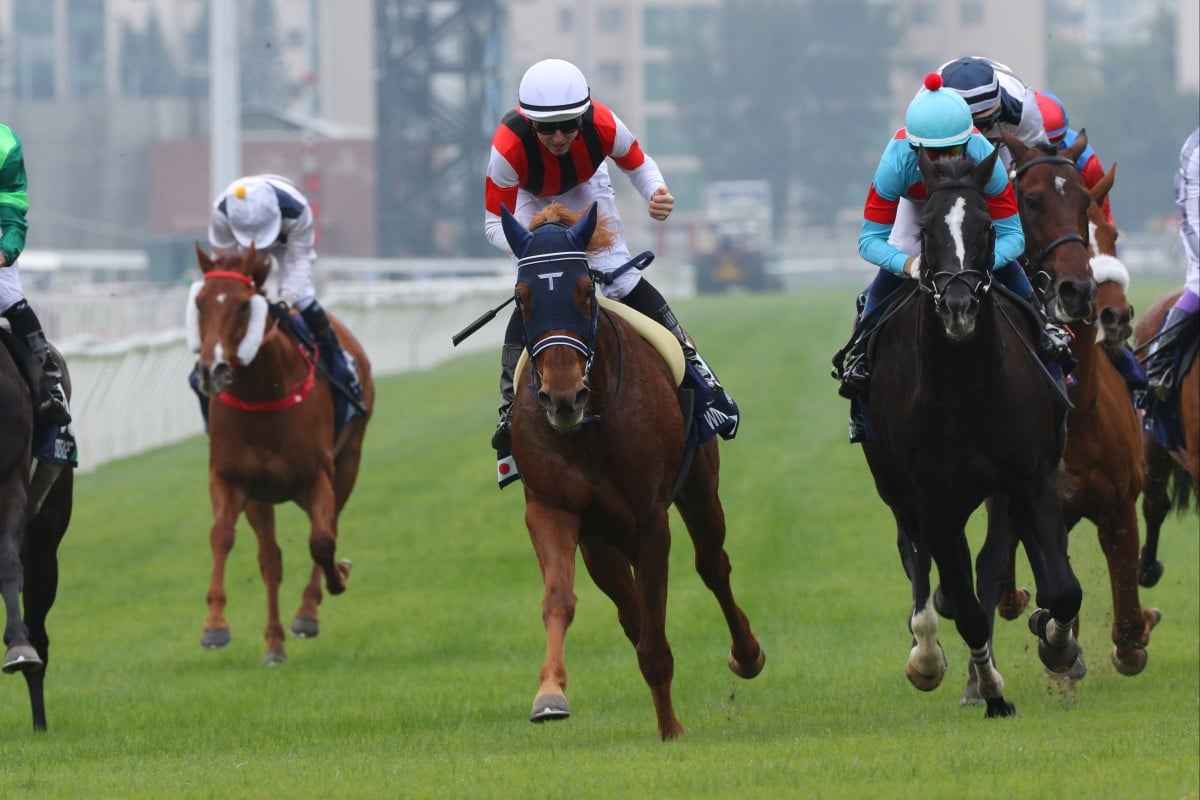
x=940, y=122
x=552, y=148
x=14, y=203
x=998, y=100
x=1160, y=360
x=1054, y=118
x=269, y=212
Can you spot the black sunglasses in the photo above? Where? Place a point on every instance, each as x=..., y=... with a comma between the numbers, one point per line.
x=564, y=125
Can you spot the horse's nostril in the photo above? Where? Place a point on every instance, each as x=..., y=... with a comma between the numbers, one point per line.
x=581, y=397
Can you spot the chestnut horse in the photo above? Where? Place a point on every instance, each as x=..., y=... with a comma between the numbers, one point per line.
x=1102, y=461
x=1172, y=478
x=34, y=515
x=962, y=411
x=600, y=439
x=271, y=437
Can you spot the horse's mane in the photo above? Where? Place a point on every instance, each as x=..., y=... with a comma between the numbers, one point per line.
x=602, y=239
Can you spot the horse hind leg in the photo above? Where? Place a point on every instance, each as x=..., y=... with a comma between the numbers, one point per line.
x=704, y=517
x=306, y=624
x=1156, y=504
x=613, y=575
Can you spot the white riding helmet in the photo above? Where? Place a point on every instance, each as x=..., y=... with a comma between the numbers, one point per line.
x=553, y=90
x=253, y=211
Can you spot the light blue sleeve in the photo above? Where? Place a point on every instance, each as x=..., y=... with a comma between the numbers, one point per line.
x=874, y=248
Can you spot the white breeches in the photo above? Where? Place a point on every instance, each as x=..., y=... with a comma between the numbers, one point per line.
x=11, y=292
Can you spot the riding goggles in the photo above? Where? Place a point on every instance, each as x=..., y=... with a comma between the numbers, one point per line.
x=564, y=125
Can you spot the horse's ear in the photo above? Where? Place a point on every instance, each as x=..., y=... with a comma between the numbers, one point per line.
x=926, y=165
x=516, y=234
x=1078, y=146
x=984, y=169
x=1015, y=146
x=584, y=227
x=1105, y=184
x=206, y=263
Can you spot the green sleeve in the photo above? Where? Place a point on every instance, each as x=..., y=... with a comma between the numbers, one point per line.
x=14, y=201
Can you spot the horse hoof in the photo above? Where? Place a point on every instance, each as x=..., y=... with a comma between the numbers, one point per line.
x=751, y=671
x=21, y=658
x=305, y=628
x=1129, y=662
x=970, y=695
x=214, y=638
x=999, y=707
x=549, y=707
x=274, y=658
x=1014, y=606
x=343, y=568
x=1149, y=574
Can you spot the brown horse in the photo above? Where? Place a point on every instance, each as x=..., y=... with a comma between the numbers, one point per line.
x=1102, y=461
x=600, y=439
x=1172, y=478
x=34, y=515
x=271, y=437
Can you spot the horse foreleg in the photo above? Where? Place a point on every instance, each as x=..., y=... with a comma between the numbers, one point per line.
x=1156, y=504
x=653, y=649
x=996, y=564
x=227, y=504
x=926, y=659
x=973, y=622
x=1059, y=594
x=705, y=522
x=554, y=533
x=1132, y=624
x=20, y=654
x=261, y=517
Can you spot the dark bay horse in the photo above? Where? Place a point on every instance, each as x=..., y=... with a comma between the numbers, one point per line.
x=271, y=437
x=34, y=515
x=1102, y=462
x=962, y=412
x=599, y=437
x=1172, y=478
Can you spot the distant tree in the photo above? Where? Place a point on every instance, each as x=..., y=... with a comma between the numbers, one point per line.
x=147, y=67
x=1126, y=97
x=264, y=78
x=791, y=91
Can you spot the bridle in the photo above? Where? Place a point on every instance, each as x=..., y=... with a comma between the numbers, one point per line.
x=940, y=281
x=1044, y=252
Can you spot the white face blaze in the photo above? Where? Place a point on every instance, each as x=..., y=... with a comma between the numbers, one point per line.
x=1060, y=184
x=954, y=222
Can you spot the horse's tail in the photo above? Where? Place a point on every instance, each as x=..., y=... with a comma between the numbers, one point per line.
x=1180, y=488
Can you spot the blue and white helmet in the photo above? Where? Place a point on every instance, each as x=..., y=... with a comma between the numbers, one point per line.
x=937, y=118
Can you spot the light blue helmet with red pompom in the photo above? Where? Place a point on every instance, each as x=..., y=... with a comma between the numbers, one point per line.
x=937, y=118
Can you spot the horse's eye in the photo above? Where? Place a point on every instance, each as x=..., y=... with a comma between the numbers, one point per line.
x=1034, y=204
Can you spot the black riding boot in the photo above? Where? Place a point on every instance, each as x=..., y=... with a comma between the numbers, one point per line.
x=509, y=355
x=1055, y=345
x=322, y=331
x=52, y=405
x=665, y=317
x=851, y=365
x=1160, y=357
